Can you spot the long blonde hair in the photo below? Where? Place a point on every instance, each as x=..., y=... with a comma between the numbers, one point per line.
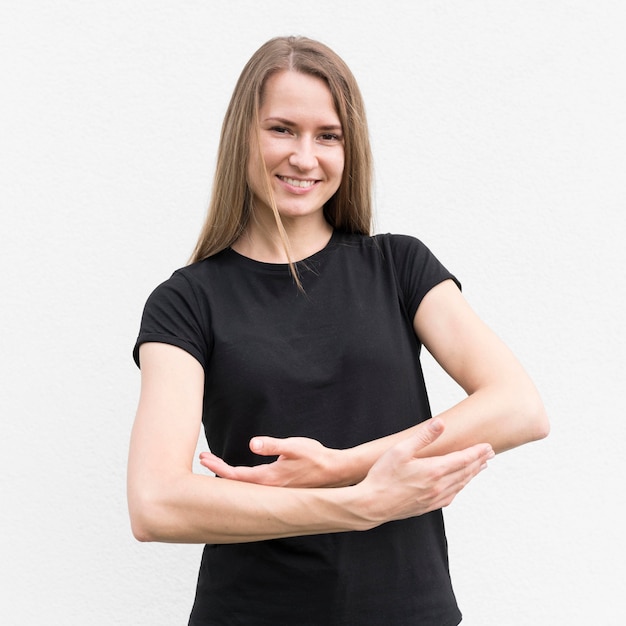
x=230, y=208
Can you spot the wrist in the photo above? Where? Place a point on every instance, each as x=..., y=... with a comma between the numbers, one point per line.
x=343, y=509
x=345, y=467
x=356, y=463
x=361, y=506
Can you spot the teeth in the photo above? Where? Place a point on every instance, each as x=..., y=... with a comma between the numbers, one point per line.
x=294, y=182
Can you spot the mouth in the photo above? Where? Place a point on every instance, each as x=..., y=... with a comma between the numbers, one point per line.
x=296, y=182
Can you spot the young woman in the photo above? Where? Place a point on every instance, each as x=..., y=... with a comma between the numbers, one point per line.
x=294, y=338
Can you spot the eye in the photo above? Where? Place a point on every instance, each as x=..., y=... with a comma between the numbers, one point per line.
x=330, y=138
x=280, y=130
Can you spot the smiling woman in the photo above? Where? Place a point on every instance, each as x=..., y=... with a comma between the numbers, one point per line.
x=349, y=208
x=294, y=339
x=298, y=147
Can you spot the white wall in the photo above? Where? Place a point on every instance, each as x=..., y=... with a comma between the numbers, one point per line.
x=499, y=134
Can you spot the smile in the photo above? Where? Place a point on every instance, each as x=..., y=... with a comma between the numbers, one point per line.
x=294, y=182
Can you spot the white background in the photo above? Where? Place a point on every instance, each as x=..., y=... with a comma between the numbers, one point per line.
x=499, y=135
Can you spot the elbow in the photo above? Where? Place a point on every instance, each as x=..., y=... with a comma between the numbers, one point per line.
x=140, y=534
x=541, y=425
x=142, y=525
x=147, y=518
x=142, y=529
x=526, y=420
x=537, y=424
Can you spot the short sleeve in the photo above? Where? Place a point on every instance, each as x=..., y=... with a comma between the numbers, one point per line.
x=176, y=315
x=417, y=270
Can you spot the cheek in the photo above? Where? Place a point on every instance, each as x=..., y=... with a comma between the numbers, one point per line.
x=270, y=154
x=256, y=157
x=255, y=176
x=258, y=171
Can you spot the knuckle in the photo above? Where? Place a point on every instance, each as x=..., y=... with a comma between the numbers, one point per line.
x=435, y=492
x=448, y=500
x=436, y=474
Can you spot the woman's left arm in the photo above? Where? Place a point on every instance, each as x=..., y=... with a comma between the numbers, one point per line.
x=502, y=407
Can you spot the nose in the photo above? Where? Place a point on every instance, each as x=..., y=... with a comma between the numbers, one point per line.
x=304, y=155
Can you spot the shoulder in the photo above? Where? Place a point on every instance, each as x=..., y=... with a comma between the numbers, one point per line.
x=192, y=279
x=186, y=294
x=400, y=244
x=416, y=268
x=386, y=242
x=401, y=252
x=178, y=312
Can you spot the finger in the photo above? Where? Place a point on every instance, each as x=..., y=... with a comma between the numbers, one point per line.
x=456, y=470
x=427, y=432
x=462, y=466
x=242, y=473
x=478, y=454
x=464, y=476
x=268, y=446
x=216, y=465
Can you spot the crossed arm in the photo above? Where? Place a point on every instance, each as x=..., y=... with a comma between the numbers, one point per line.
x=311, y=489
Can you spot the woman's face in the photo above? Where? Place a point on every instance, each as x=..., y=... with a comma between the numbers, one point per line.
x=301, y=144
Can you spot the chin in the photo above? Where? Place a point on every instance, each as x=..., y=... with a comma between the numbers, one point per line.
x=296, y=212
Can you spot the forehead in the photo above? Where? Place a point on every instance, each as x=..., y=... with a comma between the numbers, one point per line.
x=298, y=93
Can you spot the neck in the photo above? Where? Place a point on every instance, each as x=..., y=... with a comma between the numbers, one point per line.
x=262, y=241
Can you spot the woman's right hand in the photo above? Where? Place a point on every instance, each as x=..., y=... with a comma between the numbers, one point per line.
x=401, y=485
x=301, y=462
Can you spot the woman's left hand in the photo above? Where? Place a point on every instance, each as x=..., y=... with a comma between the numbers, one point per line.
x=301, y=462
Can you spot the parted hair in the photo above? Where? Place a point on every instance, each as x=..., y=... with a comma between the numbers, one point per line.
x=230, y=208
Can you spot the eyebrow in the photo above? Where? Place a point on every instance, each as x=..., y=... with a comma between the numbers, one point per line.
x=287, y=122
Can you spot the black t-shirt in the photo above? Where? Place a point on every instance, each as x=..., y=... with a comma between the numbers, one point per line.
x=338, y=363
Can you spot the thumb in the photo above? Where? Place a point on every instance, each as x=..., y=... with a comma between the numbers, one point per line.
x=428, y=432
x=266, y=446
x=425, y=434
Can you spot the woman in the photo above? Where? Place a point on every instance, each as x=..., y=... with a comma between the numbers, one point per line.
x=294, y=337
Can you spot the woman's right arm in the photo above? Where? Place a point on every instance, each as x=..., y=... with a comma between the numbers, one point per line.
x=168, y=502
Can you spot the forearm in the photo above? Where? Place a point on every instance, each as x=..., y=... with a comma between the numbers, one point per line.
x=169, y=503
x=203, y=509
x=185, y=507
x=503, y=416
